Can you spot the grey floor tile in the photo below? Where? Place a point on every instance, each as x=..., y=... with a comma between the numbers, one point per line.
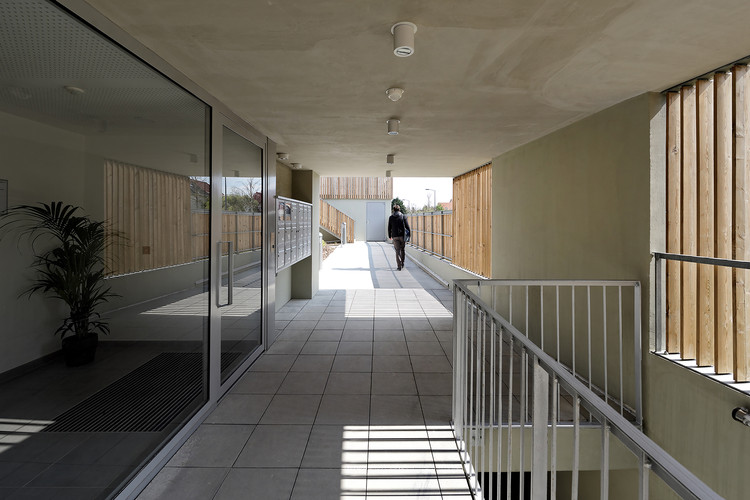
x=357, y=335
x=430, y=348
x=432, y=364
x=344, y=409
x=346, y=363
x=315, y=347
x=444, y=335
x=436, y=409
x=17, y=474
x=268, y=484
x=348, y=383
x=391, y=364
x=240, y=409
x=325, y=336
x=297, y=324
x=291, y=409
x=359, y=324
x=30, y=493
x=420, y=336
x=313, y=363
x=434, y=384
x=416, y=324
x=396, y=410
x=330, y=484
x=212, y=446
x=275, y=446
x=77, y=476
x=336, y=447
x=393, y=383
x=258, y=383
x=295, y=335
x=331, y=324
x=177, y=483
x=273, y=363
x=389, y=335
x=286, y=347
x=360, y=348
x=388, y=323
x=304, y=383
x=390, y=348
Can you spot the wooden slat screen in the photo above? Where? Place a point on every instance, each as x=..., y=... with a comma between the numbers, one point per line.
x=150, y=210
x=356, y=188
x=331, y=219
x=472, y=220
x=708, y=215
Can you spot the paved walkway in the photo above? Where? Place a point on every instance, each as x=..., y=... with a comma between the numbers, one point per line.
x=351, y=402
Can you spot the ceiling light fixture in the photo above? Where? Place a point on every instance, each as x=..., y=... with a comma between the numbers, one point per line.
x=403, y=38
x=282, y=156
x=296, y=166
x=393, y=126
x=394, y=93
x=390, y=159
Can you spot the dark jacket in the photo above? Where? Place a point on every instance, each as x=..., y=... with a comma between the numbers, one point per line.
x=397, y=225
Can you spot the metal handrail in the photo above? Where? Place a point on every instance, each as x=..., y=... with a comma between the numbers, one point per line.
x=650, y=455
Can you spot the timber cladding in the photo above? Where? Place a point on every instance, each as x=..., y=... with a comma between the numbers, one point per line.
x=157, y=225
x=472, y=220
x=331, y=219
x=708, y=215
x=356, y=188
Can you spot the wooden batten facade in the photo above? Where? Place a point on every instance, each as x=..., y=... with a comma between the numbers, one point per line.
x=708, y=215
x=356, y=188
x=472, y=220
x=332, y=218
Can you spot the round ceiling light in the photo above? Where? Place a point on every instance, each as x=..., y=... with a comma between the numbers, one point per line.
x=403, y=38
x=394, y=93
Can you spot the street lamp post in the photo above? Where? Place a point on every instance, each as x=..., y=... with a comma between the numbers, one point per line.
x=434, y=198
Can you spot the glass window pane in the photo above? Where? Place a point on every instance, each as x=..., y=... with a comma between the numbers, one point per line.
x=84, y=123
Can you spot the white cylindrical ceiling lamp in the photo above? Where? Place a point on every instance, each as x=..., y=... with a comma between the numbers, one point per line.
x=282, y=156
x=403, y=38
x=394, y=93
x=296, y=166
x=393, y=126
x=389, y=159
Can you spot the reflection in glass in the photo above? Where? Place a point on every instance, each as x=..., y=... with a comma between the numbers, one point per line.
x=241, y=227
x=85, y=123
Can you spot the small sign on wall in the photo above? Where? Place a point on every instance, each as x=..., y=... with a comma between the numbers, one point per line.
x=3, y=196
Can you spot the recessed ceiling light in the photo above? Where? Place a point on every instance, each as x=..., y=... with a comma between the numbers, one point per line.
x=403, y=38
x=394, y=93
x=389, y=159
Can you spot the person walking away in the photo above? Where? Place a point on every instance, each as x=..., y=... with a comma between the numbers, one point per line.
x=398, y=229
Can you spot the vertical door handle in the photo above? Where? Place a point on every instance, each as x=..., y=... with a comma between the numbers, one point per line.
x=230, y=274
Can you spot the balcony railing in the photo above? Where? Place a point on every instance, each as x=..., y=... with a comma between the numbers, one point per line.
x=518, y=409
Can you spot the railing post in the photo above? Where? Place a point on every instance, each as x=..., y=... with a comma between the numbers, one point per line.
x=540, y=416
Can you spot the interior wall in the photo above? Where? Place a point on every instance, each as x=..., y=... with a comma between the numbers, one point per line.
x=42, y=164
x=305, y=273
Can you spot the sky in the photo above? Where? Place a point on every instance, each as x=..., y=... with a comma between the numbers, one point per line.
x=413, y=190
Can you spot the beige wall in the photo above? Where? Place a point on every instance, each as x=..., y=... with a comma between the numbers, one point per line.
x=283, y=278
x=577, y=203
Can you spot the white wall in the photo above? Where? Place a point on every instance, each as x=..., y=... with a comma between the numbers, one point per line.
x=41, y=163
x=357, y=210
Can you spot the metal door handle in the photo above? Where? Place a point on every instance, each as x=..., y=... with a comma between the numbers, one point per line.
x=230, y=274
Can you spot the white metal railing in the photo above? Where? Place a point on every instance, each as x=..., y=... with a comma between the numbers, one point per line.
x=591, y=327
x=509, y=401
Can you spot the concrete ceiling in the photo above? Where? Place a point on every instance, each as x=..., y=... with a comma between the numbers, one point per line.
x=486, y=76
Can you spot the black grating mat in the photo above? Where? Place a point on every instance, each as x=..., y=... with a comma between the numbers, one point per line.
x=145, y=400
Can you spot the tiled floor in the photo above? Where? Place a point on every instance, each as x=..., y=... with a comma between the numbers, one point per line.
x=352, y=401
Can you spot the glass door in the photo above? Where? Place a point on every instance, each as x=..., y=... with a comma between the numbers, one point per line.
x=238, y=193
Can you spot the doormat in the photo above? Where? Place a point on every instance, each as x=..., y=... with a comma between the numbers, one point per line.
x=148, y=399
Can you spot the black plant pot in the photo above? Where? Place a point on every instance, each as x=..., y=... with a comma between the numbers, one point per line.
x=79, y=349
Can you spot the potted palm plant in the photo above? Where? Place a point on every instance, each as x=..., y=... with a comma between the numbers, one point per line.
x=68, y=251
